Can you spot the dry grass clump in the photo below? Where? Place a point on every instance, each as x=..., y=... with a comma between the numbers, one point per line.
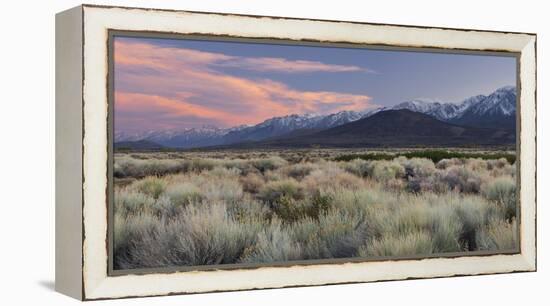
x=498, y=235
x=207, y=208
x=418, y=243
x=329, y=178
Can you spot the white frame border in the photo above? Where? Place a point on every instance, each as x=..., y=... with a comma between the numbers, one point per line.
x=96, y=23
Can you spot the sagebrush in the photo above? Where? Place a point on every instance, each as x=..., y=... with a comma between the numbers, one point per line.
x=192, y=209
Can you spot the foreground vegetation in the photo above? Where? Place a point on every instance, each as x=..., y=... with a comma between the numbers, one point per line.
x=249, y=207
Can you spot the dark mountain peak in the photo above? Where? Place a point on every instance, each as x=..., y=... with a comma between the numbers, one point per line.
x=507, y=89
x=401, y=113
x=392, y=123
x=394, y=127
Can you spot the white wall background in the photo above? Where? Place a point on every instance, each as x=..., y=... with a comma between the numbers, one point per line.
x=27, y=153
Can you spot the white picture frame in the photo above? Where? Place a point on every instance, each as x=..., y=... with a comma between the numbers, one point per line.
x=82, y=151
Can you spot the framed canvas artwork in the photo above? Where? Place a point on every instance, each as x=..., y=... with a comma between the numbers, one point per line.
x=201, y=152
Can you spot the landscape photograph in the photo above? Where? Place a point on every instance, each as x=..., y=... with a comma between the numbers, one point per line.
x=245, y=153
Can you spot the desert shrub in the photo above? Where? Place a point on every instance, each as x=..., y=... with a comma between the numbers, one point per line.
x=395, y=184
x=331, y=178
x=182, y=194
x=131, y=167
x=225, y=190
x=298, y=171
x=271, y=163
x=201, y=164
x=242, y=165
x=498, y=235
x=164, y=207
x=305, y=233
x=359, y=167
x=222, y=172
x=210, y=207
x=152, y=186
x=247, y=211
x=497, y=163
x=271, y=176
x=472, y=213
x=461, y=179
x=502, y=190
x=476, y=164
x=274, y=192
x=447, y=162
x=417, y=167
x=252, y=182
x=287, y=209
x=212, y=236
x=320, y=204
x=341, y=233
x=446, y=230
x=290, y=210
x=135, y=244
x=334, y=234
x=131, y=202
x=384, y=171
x=434, y=155
x=410, y=218
x=273, y=244
x=413, y=243
x=434, y=183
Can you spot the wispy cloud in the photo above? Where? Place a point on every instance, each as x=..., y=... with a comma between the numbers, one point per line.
x=281, y=65
x=184, y=87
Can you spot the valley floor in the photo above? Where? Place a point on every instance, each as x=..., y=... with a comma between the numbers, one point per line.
x=225, y=207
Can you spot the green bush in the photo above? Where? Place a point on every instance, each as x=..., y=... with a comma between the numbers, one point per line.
x=274, y=244
x=152, y=186
x=183, y=194
x=434, y=155
x=502, y=190
x=273, y=192
x=131, y=202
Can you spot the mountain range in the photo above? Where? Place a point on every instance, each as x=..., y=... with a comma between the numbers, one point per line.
x=490, y=117
x=389, y=128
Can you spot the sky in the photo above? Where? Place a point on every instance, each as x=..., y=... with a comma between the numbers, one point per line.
x=164, y=84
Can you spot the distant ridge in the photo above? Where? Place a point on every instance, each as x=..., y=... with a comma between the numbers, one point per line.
x=392, y=128
x=137, y=145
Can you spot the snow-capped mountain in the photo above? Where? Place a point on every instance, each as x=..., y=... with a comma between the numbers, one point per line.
x=437, y=109
x=496, y=110
x=182, y=138
x=278, y=126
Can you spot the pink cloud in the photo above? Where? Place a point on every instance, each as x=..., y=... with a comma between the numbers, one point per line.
x=183, y=83
x=273, y=64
